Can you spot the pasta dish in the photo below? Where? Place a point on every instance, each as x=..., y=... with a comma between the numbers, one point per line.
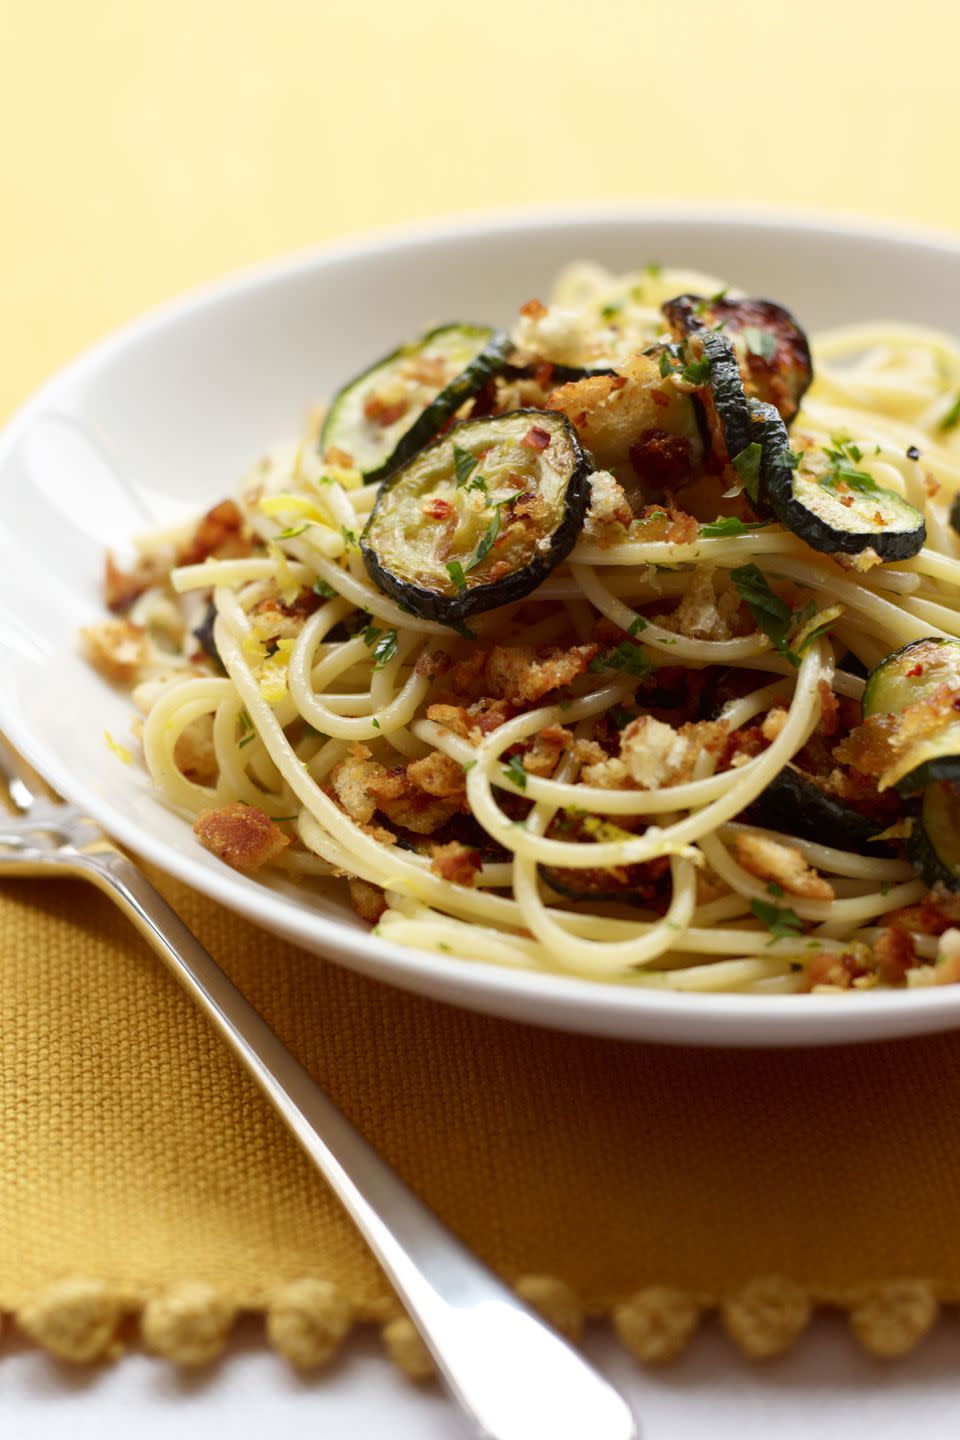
x=624, y=643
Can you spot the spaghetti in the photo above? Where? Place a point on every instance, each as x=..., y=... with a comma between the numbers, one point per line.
x=579, y=779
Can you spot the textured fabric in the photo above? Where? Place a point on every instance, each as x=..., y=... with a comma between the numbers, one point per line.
x=134, y=1150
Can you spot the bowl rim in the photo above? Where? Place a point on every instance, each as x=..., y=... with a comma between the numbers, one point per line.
x=570, y=1002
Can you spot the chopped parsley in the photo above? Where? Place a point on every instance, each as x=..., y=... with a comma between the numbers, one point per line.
x=844, y=456
x=782, y=924
x=464, y=463
x=455, y=571
x=654, y=269
x=349, y=538
x=666, y=363
x=636, y=625
x=468, y=766
x=626, y=657
x=747, y=466
x=486, y=544
x=458, y=628
x=703, y=305
x=760, y=342
x=775, y=890
x=383, y=643
x=609, y=312
x=726, y=525
x=696, y=372
x=514, y=771
x=293, y=531
x=771, y=614
x=325, y=591
x=951, y=420
x=246, y=729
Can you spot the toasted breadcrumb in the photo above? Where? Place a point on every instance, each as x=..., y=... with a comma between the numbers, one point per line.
x=702, y=614
x=773, y=723
x=783, y=865
x=222, y=533
x=117, y=648
x=195, y=753
x=122, y=587
x=241, y=835
x=609, y=516
x=368, y=900
x=439, y=775
x=522, y=675
x=460, y=864
x=543, y=755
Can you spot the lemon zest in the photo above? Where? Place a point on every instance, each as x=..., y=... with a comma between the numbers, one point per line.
x=121, y=751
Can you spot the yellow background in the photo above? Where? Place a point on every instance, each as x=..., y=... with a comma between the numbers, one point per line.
x=149, y=145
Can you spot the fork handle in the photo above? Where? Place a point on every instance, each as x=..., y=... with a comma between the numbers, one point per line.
x=510, y=1373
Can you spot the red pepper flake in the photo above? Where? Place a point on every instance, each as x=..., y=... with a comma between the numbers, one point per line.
x=536, y=439
x=659, y=398
x=914, y=671
x=384, y=412
x=534, y=309
x=437, y=508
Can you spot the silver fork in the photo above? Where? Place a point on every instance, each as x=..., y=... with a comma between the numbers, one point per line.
x=512, y=1375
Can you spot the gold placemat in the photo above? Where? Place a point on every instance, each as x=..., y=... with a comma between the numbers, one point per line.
x=144, y=1178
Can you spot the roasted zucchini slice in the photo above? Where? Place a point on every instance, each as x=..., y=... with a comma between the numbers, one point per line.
x=638, y=885
x=925, y=673
x=595, y=340
x=389, y=412
x=709, y=360
x=773, y=351
x=823, y=497
x=935, y=842
x=794, y=803
x=481, y=516
x=955, y=515
x=910, y=675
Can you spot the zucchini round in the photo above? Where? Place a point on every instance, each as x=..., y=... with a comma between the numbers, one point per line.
x=954, y=516
x=481, y=516
x=824, y=499
x=795, y=804
x=386, y=414
x=934, y=845
x=916, y=675
x=773, y=351
x=624, y=884
x=910, y=675
x=711, y=362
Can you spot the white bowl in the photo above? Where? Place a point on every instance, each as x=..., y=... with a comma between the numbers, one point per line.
x=165, y=416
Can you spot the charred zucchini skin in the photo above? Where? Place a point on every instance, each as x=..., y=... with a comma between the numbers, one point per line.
x=455, y=609
x=780, y=490
x=795, y=804
x=955, y=515
x=934, y=846
x=722, y=399
x=563, y=883
x=784, y=375
x=493, y=357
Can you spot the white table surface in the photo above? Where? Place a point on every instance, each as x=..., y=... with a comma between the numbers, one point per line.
x=825, y=1389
